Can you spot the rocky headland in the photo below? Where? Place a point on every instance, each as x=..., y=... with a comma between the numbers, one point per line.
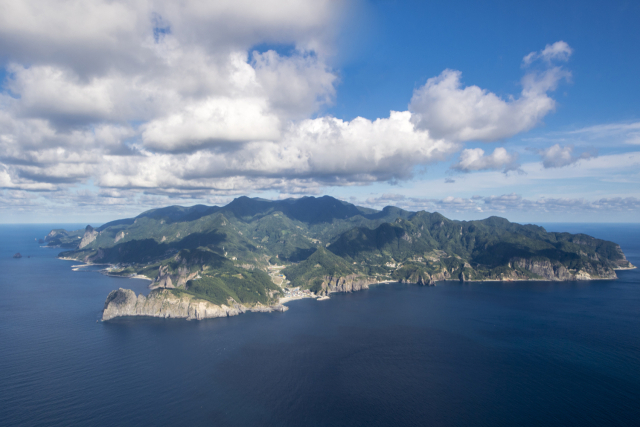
x=167, y=304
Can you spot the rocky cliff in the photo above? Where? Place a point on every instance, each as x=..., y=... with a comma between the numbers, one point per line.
x=556, y=271
x=89, y=236
x=349, y=283
x=167, y=280
x=164, y=303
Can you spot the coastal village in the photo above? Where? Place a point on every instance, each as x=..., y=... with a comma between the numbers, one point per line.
x=275, y=272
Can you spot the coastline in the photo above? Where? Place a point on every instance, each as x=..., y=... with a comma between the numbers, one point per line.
x=104, y=271
x=197, y=309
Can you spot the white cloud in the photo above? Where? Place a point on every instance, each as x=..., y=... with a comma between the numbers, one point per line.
x=173, y=98
x=296, y=87
x=212, y=121
x=97, y=36
x=506, y=203
x=325, y=150
x=559, y=51
x=557, y=156
x=474, y=159
x=448, y=110
x=605, y=134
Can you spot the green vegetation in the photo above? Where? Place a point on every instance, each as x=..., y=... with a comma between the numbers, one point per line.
x=223, y=253
x=242, y=286
x=309, y=273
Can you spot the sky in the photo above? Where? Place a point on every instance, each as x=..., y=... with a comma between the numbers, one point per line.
x=528, y=111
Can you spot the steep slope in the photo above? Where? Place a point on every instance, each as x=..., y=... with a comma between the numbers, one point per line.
x=493, y=248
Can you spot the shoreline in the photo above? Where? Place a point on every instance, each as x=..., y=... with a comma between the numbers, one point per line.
x=284, y=300
x=104, y=271
x=200, y=306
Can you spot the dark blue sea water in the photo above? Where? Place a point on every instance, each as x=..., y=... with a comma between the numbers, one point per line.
x=479, y=354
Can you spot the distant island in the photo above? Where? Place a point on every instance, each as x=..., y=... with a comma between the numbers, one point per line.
x=255, y=254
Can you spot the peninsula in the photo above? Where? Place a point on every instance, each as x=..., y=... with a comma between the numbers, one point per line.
x=210, y=261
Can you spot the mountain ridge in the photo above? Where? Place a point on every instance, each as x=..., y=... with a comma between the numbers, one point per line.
x=323, y=245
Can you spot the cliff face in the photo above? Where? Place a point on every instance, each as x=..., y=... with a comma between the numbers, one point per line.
x=89, y=236
x=543, y=268
x=350, y=283
x=163, y=303
x=556, y=271
x=622, y=262
x=167, y=280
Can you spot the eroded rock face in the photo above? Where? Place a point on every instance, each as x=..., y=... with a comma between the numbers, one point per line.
x=163, y=280
x=420, y=279
x=89, y=236
x=51, y=235
x=167, y=280
x=622, y=262
x=557, y=271
x=163, y=303
x=350, y=283
x=119, y=237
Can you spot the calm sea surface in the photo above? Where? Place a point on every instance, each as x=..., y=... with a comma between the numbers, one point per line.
x=481, y=354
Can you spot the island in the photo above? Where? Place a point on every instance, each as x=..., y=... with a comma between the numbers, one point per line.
x=255, y=254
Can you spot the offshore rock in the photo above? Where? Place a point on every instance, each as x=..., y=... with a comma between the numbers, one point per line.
x=17, y=255
x=163, y=303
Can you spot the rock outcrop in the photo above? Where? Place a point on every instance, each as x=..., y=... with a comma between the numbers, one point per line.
x=89, y=236
x=556, y=271
x=119, y=237
x=622, y=263
x=167, y=280
x=51, y=235
x=350, y=283
x=164, y=303
x=423, y=279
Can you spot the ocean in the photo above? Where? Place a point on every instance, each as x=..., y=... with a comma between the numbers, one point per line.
x=458, y=354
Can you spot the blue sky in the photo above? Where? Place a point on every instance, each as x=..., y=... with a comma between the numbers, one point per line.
x=102, y=115
x=411, y=41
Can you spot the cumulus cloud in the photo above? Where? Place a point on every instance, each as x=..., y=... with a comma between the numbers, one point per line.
x=295, y=87
x=558, y=156
x=474, y=159
x=326, y=150
x=176, y=100
x=210, y=122
x=448, y=110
